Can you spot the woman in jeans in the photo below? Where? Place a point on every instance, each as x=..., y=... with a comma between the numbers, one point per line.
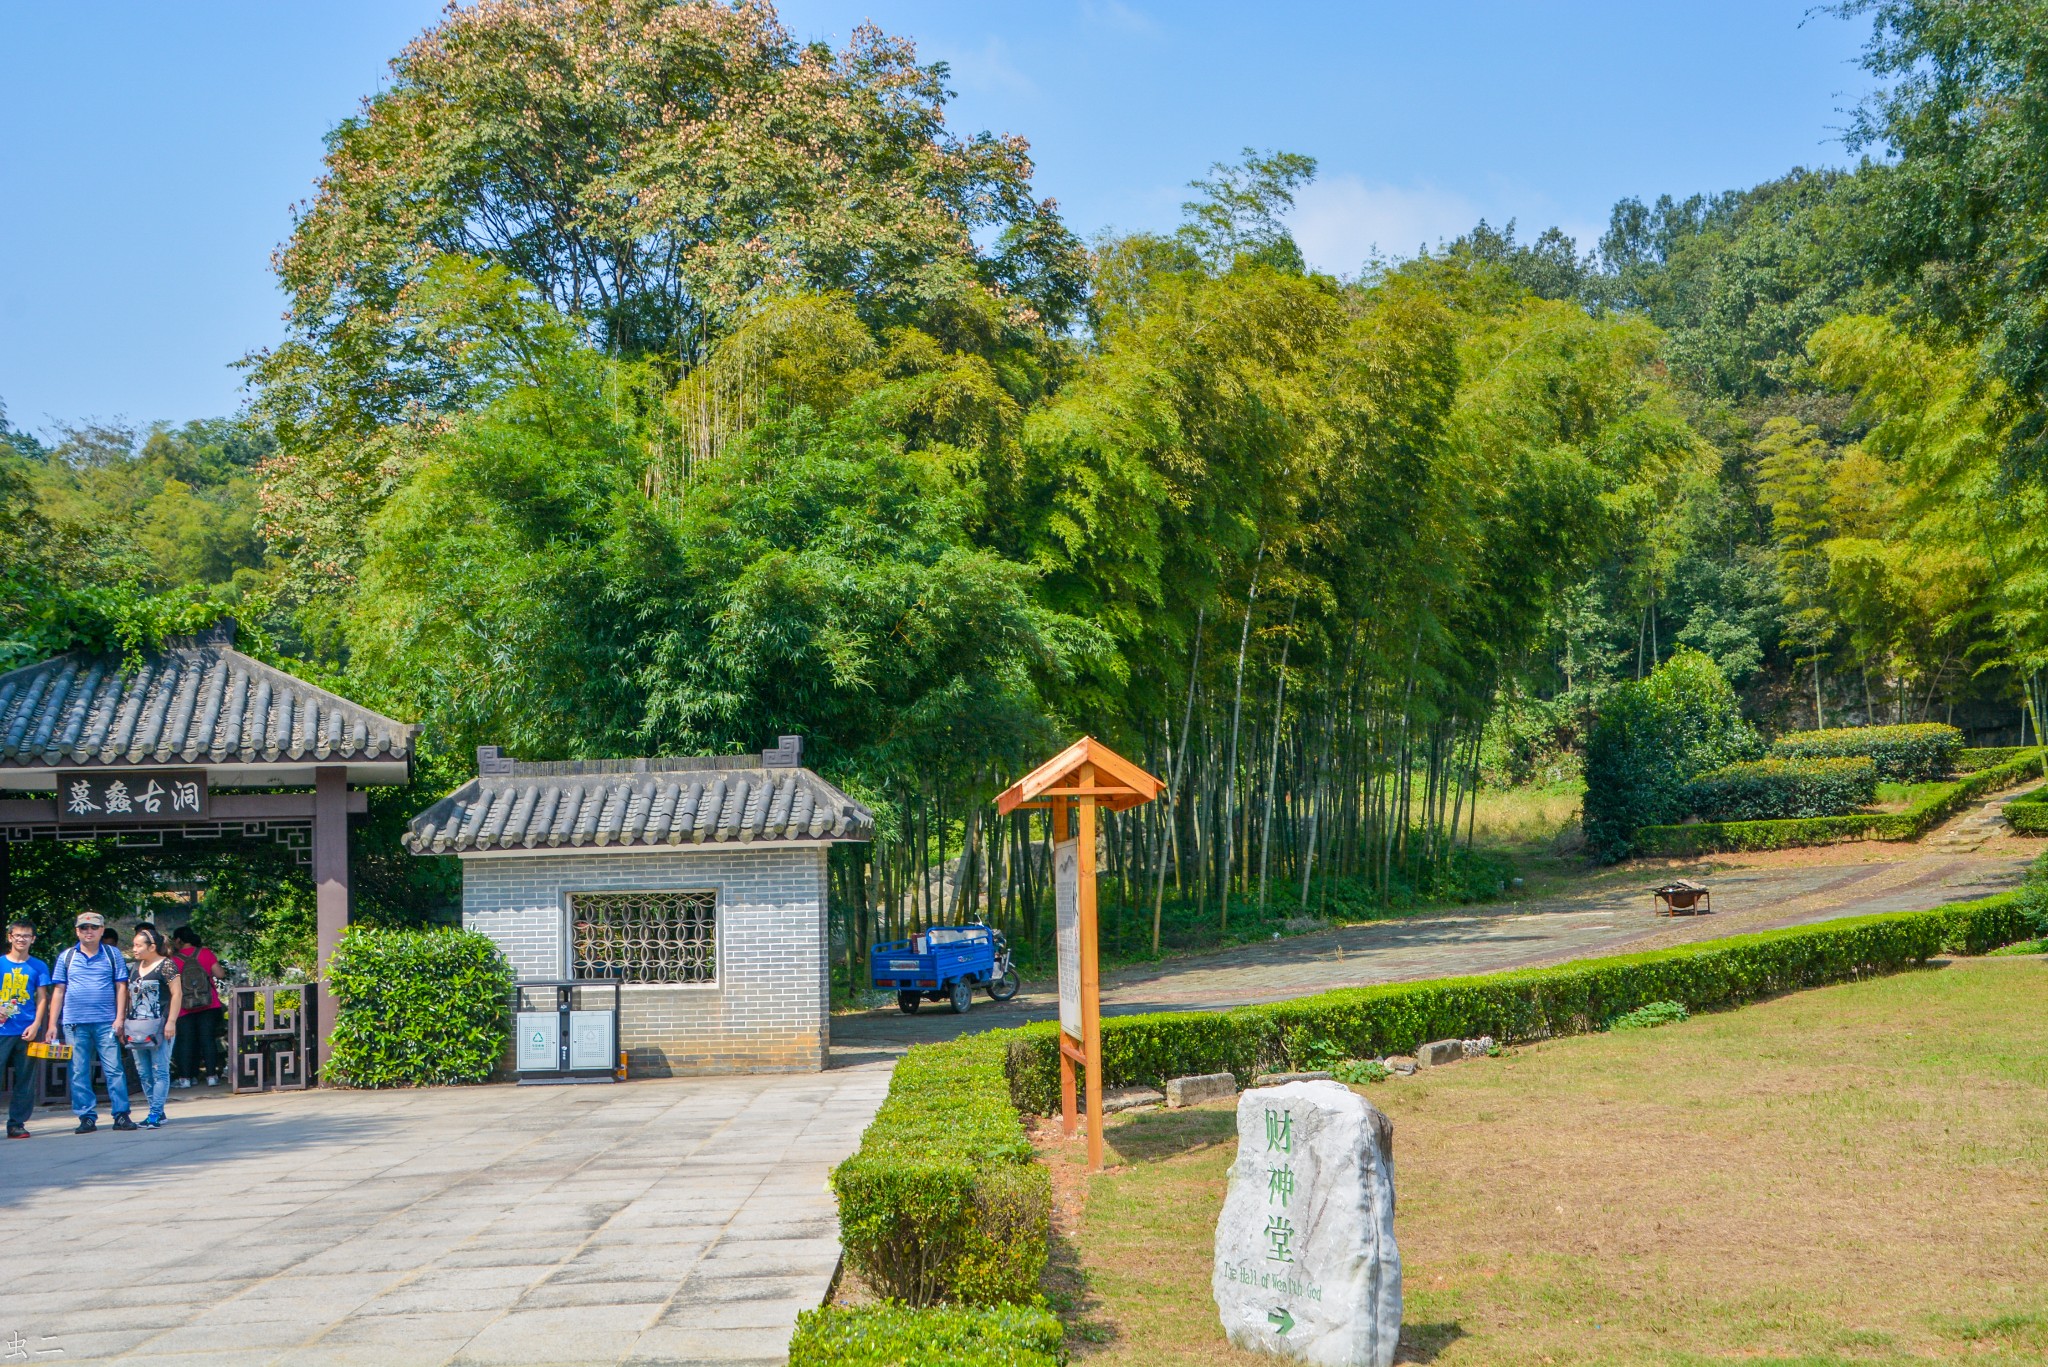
x=152, y=1023
x=197, y=1043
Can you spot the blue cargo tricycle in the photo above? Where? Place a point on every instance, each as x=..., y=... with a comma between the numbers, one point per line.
x=945, y=964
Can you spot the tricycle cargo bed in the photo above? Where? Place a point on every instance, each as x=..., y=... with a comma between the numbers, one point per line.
x=944, y=962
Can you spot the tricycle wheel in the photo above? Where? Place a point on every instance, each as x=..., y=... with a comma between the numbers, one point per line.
x=1005, y=987
x=907, y=1002
x=963, y=996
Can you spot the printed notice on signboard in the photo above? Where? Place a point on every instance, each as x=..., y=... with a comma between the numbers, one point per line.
x=1066, y=882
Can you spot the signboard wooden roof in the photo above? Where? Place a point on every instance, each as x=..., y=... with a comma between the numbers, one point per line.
x=1118, y=782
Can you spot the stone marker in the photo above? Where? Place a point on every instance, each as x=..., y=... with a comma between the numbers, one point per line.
x=1401, y=1063
x=1306, y=1265
x=1439, y=1052
x=1189, y=1091
x=1130, y=1098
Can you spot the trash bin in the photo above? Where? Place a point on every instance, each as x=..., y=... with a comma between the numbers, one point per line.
x=564, y=1031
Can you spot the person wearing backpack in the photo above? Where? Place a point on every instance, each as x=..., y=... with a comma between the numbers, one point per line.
x=89, y=1004
x=199, y=1018
x=153, y=990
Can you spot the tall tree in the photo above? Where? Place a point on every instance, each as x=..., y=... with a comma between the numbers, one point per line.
x=1961, y=218
x=653, y=168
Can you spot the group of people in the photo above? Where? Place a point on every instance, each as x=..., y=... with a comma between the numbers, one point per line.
x=165, y=1009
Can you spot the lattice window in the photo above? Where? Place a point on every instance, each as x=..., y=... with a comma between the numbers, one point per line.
x=646, y=937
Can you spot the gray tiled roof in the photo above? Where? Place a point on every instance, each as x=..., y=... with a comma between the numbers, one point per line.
x=637, y=804
x=196, y=702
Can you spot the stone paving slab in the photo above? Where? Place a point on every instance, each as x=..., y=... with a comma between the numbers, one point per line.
x=662, y=1221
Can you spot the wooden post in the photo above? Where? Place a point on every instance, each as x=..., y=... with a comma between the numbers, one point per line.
x=1091, y=986
x=330, y=877
x=1086, y=776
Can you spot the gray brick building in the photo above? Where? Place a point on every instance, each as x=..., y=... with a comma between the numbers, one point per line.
x=698, y=883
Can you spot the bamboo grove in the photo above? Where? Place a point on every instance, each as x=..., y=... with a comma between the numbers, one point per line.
x=1355, y=503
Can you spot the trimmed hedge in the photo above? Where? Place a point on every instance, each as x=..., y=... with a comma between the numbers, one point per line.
x=1524, y=1005
x=1919, y=753
x=891, y=1335
x=1984, y=756
x=1770, y=789
x=2028, y=813
x=416, y=1008
x=1723, y=837
x=942, y=1201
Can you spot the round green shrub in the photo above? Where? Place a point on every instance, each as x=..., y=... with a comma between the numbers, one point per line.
x=417, y=1008
x=1777, y=789
x=1650, y=740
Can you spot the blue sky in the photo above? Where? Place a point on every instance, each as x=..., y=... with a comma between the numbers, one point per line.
x=149, y=153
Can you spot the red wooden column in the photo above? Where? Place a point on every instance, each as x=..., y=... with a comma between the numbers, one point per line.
x=330, y=876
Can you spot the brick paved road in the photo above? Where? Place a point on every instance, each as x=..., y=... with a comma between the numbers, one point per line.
x=663, y=1221
x=1612, y=916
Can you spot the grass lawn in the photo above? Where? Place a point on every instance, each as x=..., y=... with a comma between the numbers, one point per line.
x=1857, y=1174
x=1897, y=797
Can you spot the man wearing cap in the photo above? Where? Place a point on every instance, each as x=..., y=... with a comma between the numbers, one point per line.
x=89, y=1001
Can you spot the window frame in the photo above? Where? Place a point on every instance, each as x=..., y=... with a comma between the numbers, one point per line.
x=716, y=900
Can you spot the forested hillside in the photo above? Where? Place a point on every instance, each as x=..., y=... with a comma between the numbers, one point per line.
x=790, y=410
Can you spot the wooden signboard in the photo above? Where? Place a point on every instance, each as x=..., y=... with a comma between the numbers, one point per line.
x=111, y=797
x=1073, y=784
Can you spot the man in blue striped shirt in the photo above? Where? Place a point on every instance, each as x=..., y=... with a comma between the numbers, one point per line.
x=89, y=1000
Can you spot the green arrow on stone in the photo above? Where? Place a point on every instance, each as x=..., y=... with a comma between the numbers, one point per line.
x=1280, y=1320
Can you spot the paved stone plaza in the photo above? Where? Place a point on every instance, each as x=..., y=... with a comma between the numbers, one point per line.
x=662, y=1221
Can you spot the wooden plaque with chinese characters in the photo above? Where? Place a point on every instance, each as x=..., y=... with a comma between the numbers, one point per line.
x=139, y=797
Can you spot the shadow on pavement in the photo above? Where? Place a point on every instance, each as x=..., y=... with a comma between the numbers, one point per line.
x=111, y=1159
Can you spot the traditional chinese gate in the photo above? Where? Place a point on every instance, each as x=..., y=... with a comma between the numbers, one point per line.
x=195, y=742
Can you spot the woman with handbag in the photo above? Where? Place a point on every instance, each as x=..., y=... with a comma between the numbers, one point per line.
x=152, y=1024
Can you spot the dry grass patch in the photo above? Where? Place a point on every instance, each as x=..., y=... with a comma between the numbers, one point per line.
x=1850, y=1175
x=1528, y=815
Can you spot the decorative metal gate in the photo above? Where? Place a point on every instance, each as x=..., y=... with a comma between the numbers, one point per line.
x=55, y=1087
x=273, y=1037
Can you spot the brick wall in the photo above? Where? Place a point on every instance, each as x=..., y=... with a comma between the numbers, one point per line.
x=770, y=1009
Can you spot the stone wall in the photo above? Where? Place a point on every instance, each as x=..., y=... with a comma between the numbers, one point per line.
x=769, y=1010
